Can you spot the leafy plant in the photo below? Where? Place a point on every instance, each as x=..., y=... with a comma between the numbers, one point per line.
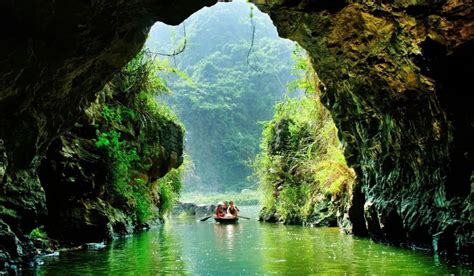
x=301, y=159
x=38, y=233
x=223, y=99
x=128, y=130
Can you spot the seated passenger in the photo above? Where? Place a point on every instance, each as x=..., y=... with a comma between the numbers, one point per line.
x=233, y=210
x=220, y=211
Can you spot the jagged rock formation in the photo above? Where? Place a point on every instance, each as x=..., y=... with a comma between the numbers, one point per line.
x=192, y=209
x=396, y=74
x=78, y=177
x=54, y=58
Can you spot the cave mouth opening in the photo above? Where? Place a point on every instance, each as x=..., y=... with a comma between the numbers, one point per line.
x=40, y=107
x=238, y=69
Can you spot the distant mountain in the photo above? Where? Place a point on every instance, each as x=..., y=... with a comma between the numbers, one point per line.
x=225, y=97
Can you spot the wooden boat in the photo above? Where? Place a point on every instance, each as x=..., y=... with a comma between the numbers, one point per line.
x=226, y=219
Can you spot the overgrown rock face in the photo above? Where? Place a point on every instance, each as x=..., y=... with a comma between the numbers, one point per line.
x=55, y=56
x=77, y=179
x=82, y=179
x=396, y=76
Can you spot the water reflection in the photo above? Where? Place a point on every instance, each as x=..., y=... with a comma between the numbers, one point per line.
x=226, y=234
x=295, y=250
x=183, y=247
x=157, y=251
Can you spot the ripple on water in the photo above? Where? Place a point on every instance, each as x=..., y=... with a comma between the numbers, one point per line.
x=190, y=248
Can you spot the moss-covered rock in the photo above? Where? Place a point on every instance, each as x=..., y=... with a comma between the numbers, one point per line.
x=101, y=177
x=301, y=168
x=55, y=57
x=395, y=75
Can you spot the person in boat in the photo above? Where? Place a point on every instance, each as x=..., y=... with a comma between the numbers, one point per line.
x=225, y=206
x=233, y=210
x=220, y=211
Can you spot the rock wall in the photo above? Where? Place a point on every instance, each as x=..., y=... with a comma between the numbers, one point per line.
x=78, y=181
x=396, y=74
x=396, y=77
x=55, y=56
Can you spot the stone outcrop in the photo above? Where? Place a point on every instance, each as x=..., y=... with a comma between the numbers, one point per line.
x=397, y=75
x=79, y=178
x=192, y=209
x=292, y=154
x=54, y=58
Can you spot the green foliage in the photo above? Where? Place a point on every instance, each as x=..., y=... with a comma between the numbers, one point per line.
x=223, y=99
x=128, y=130
x=243, y=198
x=301, y=154
x=170, y=186
x=122, y=155
x=38, y=233
x=140, y=75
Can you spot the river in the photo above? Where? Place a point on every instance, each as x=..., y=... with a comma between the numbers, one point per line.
x=186, y=247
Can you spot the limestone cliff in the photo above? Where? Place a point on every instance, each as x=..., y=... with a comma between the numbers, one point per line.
x=79, y=178
x=55, y=57
x=397, y=75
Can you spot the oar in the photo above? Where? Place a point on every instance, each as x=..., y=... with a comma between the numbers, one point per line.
x=206, y=218
x=243, y=217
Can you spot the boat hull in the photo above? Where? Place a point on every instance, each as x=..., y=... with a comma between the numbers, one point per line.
x=226, y=220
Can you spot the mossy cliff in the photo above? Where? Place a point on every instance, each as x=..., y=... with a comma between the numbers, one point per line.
x=105, y=175
x=55, y=57
x=114, y=172
x=396, y=76
x=301, y=168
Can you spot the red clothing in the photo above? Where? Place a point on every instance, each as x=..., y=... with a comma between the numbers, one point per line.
x=220, y=211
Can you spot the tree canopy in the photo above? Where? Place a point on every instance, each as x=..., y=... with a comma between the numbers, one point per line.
x=233, y=83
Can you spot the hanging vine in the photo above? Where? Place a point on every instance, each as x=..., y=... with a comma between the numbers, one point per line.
x=252, y=26
x=176, y=51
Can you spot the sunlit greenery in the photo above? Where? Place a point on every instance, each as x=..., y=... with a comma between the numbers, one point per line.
x=229, y=90
x=38, y=233
x=169, y=189
x=245, y=197
x=301, y=154
x=128, y=130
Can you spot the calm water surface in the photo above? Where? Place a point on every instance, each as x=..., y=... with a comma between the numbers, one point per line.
x=187, y=247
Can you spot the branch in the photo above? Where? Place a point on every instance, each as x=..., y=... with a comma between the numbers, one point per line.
x=252, y=23
x=176, y=51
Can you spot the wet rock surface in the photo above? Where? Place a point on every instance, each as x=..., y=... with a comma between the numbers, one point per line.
x=78, y=177
x=395, y=84
x=55, y=58
x=396, y=77
x=192, y=209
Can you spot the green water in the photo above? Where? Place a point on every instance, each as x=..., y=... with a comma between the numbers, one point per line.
x=187, y=247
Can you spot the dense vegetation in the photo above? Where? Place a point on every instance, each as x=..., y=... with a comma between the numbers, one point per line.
x=302, y=169
x=245, y=197
x=231, y=87
x=129, y=129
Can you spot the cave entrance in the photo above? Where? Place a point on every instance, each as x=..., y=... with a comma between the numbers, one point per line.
x=237, y=69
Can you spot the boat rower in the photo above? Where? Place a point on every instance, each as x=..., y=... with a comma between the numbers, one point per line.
x=233, y=210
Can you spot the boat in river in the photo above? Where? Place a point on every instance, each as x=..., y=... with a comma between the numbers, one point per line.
x=226, y=219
